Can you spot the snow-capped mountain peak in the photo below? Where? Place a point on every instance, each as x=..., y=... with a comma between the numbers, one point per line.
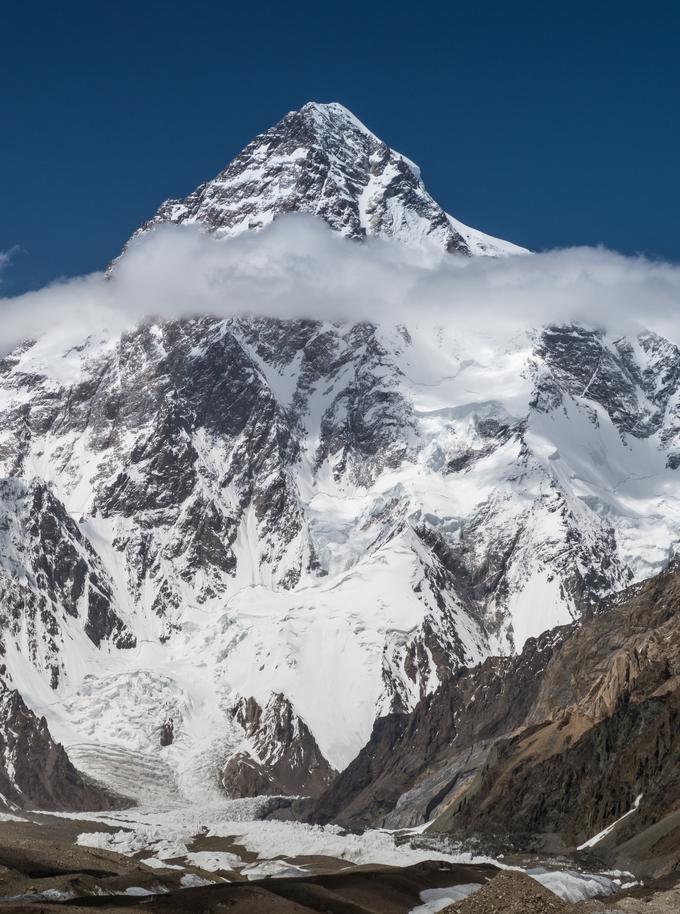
x=245, y=538
x=322, y=160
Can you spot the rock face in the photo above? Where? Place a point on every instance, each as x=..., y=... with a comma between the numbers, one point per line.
x=282, y=756
x=414, y=763
x=602, y=732
x=35, y=772
x=325, y=519
x=577, y=732
x=53, y=586
x=167, y=732
x=322, y=160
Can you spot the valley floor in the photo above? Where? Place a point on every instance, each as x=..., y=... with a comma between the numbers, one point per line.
x=219, y=855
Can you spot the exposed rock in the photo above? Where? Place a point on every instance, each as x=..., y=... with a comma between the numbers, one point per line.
x=602, y=732
x=35, y=772
x=510, y=893
x=546, y=749
x=416, y=762
x=167, y=732
x=322, y=160
x=283, y=756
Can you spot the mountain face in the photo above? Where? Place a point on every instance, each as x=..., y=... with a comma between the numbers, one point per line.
x=547, y=748
x=270, y=532
x=322, y=160
x=53, y=586
x=283, y=758
x=35, y=772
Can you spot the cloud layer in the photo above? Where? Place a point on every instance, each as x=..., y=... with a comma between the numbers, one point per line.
x=297, y=268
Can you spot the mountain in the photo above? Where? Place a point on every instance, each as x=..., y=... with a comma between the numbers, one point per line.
x=35, y=772
x=570, y=744
x=230, y=544
x=322, y=160
x=288, y=757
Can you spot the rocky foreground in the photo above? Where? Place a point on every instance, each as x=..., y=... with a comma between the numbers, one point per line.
x=41, y=870
x=515, y=893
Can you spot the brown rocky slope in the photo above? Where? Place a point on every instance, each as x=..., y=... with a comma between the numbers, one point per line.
x=35, y=771
x=545, y=749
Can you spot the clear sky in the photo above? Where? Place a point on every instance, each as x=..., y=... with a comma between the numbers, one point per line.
x=546, y=123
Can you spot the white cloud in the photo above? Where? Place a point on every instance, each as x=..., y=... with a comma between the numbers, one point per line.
x=6, y=259
x=299, y=268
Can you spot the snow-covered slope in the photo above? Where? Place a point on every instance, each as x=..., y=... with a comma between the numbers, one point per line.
x=339, y=515
x=323, y=160
x=311, y=520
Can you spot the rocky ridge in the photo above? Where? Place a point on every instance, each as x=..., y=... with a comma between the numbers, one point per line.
x=322, y=160
x=283, y=756
x=35, y=772
x=570, y=744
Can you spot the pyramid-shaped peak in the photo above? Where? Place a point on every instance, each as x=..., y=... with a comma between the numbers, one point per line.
x=321, y=159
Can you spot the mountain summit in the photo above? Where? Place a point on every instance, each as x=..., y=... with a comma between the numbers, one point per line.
x=323, y=160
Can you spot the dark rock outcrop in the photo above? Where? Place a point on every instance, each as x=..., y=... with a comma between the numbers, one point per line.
x=167, y=732
x=35, y=771
x=283, y=756
x=547, y=748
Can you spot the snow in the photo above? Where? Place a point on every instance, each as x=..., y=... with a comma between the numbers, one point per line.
x=214, y=860
x=569, y=885
x=591, y=842
x=435, y=900
x=192, y=881
x=273, y=868
x=167, y=835
x=49, y=895
x=483, y=244
x=10, y=817
x=157, y=864
x=573, y=887
x=324, y=642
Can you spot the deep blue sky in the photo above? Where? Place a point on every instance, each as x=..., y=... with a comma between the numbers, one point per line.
x=548, y=124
